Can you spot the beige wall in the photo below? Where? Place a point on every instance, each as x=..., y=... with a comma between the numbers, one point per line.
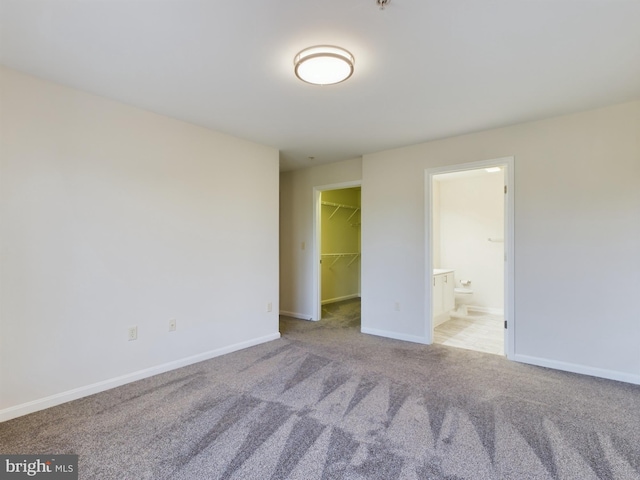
x=296, y=231
x=111, y=217
x=577, y=231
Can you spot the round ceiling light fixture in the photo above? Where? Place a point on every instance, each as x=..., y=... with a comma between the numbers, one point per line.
x=323, y=65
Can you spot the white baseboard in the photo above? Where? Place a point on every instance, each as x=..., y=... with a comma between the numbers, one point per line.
x=339, y=299
x=581, y=369
x=301, y=316
x=489, y=310
x=395, y=335
x=80, y=392
x=440, y=319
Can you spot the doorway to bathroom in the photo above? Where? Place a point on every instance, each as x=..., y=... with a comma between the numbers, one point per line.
x=337, y=252
x=469, y=256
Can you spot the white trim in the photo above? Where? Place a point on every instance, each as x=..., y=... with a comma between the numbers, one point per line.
x=317, y=295
x=394, y=335
x=301, y=316
x=510, y=269
x=80, y=392
x=581, y=369
x=509, y=233
x=461, y=167
x=315, y=252
x=430, y=321
x=340, y=299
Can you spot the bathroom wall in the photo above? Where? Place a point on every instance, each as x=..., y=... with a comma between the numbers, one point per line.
x=472, y=211
x=435, y=224
x=340, y=233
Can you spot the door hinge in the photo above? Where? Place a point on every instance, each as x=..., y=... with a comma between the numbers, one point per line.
x=505, y=324
x=505, y=189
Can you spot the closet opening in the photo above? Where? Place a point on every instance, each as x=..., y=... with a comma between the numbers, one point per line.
x=470, y=256
x=337, y=253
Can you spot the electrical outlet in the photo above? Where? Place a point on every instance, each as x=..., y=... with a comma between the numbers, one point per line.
x=172, y=325
x=269, y=306
x=133, y=333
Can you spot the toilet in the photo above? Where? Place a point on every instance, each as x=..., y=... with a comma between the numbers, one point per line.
x=462, y=298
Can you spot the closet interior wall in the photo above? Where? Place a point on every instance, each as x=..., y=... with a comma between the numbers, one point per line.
x=340, y=244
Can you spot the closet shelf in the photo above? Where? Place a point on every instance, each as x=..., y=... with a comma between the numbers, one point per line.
x=341, y=205
x=338, y=206
x=338, y=256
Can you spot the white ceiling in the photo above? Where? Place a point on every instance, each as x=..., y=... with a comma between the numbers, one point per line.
x=425, y=69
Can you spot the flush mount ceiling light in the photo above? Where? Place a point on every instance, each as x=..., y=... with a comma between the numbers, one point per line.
x=323, y=65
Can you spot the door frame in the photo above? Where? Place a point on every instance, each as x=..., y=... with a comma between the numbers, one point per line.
x=509, y=215
x=317, y=217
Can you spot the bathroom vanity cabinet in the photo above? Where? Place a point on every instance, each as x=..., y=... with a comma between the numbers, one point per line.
x=443, y=295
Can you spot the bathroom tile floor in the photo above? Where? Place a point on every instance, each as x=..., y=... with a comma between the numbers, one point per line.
x=477, y=331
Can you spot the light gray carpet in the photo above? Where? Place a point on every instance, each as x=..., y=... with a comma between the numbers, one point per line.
x=326, y=402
